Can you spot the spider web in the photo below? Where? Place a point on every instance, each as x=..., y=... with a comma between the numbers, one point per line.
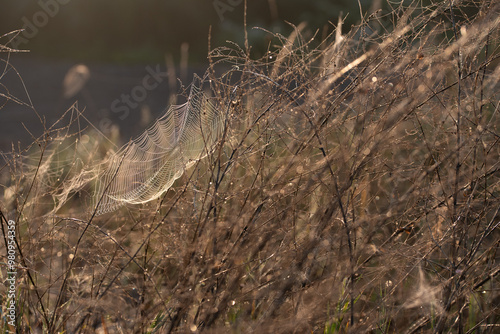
x=147, y=166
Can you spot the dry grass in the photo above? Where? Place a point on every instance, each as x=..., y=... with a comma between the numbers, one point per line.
x=356, y=189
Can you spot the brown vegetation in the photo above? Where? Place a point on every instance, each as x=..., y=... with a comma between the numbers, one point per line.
x=356, y=188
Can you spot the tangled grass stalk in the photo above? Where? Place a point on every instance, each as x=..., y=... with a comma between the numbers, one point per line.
x=353, y=187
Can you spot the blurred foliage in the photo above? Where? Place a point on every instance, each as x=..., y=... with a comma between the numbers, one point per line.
x=131, y=30
x=147, y=30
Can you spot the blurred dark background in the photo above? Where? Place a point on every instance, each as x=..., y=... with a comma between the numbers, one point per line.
x=133, y=30
x=118, y=39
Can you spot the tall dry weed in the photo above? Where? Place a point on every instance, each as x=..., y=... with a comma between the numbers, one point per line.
x=356, y=188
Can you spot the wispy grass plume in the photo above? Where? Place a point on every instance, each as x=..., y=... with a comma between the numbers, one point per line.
x=354, y=187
